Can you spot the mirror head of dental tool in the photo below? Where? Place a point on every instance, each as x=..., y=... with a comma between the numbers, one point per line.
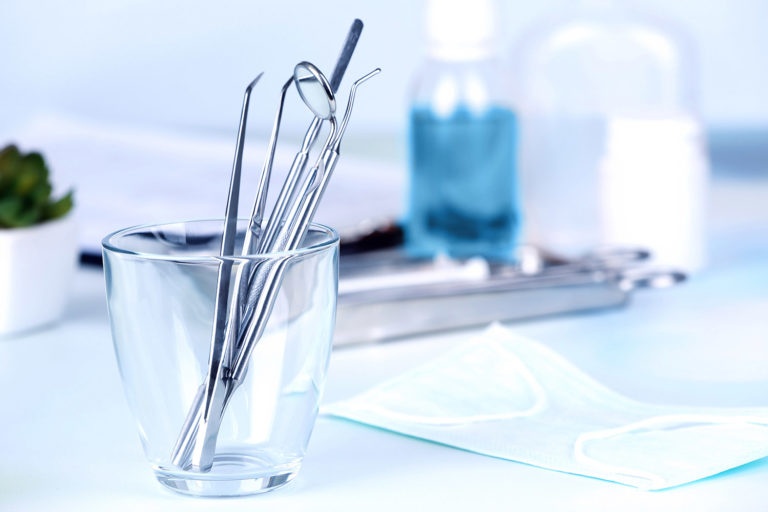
x=315, y=90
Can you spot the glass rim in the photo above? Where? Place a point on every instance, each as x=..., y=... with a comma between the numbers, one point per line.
x=108, y=243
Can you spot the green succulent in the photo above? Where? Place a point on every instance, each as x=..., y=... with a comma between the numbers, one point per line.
x=25, y=190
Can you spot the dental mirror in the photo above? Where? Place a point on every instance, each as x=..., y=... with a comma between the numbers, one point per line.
x=315, y=90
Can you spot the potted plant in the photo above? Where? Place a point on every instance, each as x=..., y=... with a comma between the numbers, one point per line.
x=38, y=243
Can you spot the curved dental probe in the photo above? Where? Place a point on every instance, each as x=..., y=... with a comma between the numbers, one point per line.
x=350, y=103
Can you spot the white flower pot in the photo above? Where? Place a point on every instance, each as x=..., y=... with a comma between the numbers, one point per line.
x=37, y=266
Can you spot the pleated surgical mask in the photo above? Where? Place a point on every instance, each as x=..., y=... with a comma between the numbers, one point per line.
x=509, y=397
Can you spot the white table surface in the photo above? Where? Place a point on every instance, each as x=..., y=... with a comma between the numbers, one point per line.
x=68, y=442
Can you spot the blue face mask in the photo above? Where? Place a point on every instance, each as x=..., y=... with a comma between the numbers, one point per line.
x=497, y=393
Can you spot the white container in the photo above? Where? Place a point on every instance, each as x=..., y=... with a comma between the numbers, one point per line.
x=37, y=265
x=607, y=91
x=654, y=187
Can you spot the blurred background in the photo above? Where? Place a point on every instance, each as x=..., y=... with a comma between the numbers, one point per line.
x=184, y=64
x=178, y=68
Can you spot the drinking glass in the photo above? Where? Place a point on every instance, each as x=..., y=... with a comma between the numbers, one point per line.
x=161, y=290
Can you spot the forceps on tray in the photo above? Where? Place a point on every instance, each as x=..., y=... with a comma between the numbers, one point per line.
x=385, y=295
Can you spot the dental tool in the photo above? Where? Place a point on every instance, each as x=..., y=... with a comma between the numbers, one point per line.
x=243, y=306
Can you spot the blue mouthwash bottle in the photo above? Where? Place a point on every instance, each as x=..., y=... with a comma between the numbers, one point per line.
x=462, y=140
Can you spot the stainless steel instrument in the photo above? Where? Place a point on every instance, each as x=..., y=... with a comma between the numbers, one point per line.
x=244, y=303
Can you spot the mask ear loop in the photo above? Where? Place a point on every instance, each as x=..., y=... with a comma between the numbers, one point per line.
x=540, y=402
x=646, y=479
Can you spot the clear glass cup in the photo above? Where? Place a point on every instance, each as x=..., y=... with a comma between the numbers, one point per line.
x=161, y=290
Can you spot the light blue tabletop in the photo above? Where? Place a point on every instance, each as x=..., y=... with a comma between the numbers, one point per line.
x=69, y=443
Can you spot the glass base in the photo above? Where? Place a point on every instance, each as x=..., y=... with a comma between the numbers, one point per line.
x=231, y=475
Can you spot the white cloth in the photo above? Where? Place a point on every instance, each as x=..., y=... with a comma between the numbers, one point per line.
x=124, y=176
x=509, y=397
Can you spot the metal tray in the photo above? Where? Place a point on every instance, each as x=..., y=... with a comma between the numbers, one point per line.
x=385, y=295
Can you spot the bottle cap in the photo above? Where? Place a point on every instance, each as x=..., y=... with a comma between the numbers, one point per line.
x=461, y=29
